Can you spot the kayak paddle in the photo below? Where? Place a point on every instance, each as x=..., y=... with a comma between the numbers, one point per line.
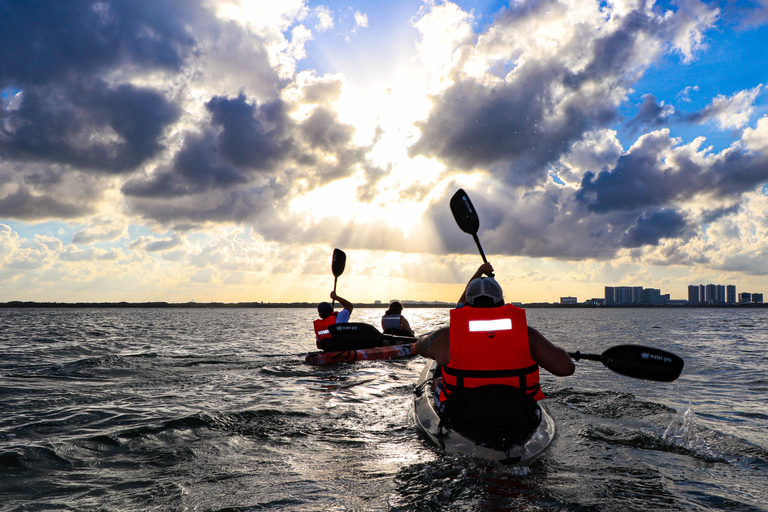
x=338, y=262
x=638, y=362
x=466, y=217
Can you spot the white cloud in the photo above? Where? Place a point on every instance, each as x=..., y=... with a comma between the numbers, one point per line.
x=756, y=139
x=324, y=17
x=361, y=19
x=734, y=112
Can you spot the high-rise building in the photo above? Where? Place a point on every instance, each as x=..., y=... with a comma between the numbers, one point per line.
x=623, y=295
x=711, y=294
x=637, y=295
x=702, y=294
x=757, y=298
x=720, y=299
x=693, y=294
x=730, y=294
x=745, y=297
x=610, y=295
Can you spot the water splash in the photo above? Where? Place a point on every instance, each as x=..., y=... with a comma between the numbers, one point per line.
x=684, y=433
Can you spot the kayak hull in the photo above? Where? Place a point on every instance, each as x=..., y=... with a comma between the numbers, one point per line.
x=351, y=356
x=450, y=442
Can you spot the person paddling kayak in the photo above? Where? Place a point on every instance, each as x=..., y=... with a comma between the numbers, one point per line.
x=489, y=345
x=329, y=317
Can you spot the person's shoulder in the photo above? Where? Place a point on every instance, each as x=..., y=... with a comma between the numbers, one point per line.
x=342, y=316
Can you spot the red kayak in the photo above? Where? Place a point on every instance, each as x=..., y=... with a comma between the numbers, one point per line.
x=364, y=354
x=354, y=341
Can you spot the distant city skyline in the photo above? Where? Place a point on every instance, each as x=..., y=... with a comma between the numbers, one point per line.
x=710, y=294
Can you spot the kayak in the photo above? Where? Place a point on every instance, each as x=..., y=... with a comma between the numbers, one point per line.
x=450, y=442
x=365, y=354
x=355, y=341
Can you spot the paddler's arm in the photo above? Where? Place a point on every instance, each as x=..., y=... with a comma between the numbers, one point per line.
x=344, y=302
x=405, y=325
x=548, y=355
x=435, y=345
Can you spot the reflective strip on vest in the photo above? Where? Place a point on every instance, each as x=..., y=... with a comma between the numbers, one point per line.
x=502, y=324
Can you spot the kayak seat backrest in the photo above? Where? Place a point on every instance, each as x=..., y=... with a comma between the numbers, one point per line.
x=495, y=416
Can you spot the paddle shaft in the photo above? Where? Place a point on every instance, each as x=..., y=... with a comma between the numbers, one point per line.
x=577, y=356
x=479, y=248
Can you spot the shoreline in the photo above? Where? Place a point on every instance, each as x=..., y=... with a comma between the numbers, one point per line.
x=408, y=305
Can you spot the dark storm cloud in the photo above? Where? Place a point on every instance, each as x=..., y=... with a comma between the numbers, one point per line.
x=322, y=131
x=252, y=136
x=651, y=114
x=520, y=127
x=504, y=127
x=552, y=223
x=639, y=179
x=198, y=167
x=242, y=137
x=38, y=192
x=86, y=124
x=46, y=41
x=244, y=142
x=652, y=226
x=709, y=216
x=26, y=206
x=643, y=178
x=738, y=172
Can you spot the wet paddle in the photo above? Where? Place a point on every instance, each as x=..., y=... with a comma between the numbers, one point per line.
x=466, y=217
x=638, y=362
x=338, y=262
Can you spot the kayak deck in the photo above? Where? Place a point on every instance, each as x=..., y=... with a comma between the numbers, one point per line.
x=366, y=354
x=451, y=442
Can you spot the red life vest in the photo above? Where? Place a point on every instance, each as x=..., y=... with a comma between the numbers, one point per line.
x=490, y=346
x=322, y=324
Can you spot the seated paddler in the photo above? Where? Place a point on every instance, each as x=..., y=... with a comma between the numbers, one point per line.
x=489, y=345
x=329, y=317
x=393, y=321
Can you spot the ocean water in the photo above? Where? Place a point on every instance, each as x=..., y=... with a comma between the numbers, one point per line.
x=215, y=409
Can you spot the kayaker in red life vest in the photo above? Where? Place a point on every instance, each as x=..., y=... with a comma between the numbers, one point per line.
x=393, y=322
x=488, y=336
x=329, y=317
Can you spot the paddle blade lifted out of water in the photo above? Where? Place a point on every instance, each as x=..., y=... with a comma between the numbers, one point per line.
x=338, y=262
x=638, y=362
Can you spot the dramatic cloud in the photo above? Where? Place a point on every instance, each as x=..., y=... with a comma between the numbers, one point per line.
x=224, y=142
x=517, y=103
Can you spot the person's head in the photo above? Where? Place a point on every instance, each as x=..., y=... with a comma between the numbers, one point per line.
x=395, y=308
x=324, y=309
x=484, y=292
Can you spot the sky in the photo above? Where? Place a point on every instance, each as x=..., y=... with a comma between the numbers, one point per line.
x=219, y=150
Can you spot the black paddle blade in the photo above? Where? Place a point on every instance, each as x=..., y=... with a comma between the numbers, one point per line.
x=643, y=362
x=338, y=262
x=464, y=213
